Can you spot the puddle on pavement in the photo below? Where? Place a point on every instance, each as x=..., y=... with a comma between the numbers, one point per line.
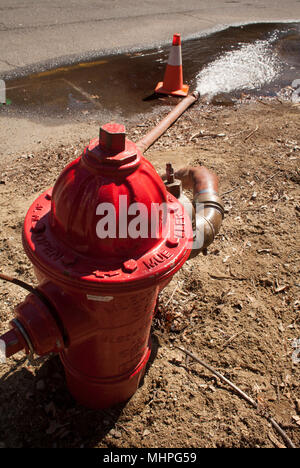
x=257, y=58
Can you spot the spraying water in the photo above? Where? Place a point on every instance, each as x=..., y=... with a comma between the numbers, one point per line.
x=249, y=67
x=262, y=58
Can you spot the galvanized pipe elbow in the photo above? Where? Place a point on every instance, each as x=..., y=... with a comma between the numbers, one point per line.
x=208, y=206
x=209, y=214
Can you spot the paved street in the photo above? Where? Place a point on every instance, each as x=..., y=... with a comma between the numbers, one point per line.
x=49, y=31
x=38, y=34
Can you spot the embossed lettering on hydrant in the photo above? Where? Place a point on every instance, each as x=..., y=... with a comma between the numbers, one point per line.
x=52, y=252
x=157, y=259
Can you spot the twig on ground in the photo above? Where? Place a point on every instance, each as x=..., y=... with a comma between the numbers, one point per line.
x=236, y=134
x=172, y=295
x=275, y=441
x=264, y=103
x=250, y=134
x=229, y=191
x=269, y=178
x=241, y=393
x=238, y=187
x=277, y=390
x=231, y=339
x=236, y=278
x=203, y=134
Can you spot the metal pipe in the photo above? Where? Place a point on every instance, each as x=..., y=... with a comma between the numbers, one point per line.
x=209, y=213
x=209, y=210
x=160, y=128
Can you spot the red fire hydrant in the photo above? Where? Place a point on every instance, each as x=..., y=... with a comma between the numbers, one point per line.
x=99, y=280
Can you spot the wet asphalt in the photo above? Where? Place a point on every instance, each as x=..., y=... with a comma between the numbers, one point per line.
x=37, y=35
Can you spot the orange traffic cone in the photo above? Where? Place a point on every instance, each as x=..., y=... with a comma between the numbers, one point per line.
x=173, y=78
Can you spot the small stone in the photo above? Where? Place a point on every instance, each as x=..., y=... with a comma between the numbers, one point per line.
x=116, y=434
x=223, y=99
x=296, y=419
x=281, y=327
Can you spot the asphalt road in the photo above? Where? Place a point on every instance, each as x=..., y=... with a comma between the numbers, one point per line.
x=38, y=34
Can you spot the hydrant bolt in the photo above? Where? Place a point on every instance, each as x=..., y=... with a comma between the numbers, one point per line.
x=130, y=266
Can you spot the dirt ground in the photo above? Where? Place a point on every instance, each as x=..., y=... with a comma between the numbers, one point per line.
x=237, y=308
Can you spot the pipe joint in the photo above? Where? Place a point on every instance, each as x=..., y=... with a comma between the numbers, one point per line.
x=209, y=199
x=209, y=214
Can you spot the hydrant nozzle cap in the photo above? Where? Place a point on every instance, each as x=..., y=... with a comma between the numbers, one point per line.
x=112, y=138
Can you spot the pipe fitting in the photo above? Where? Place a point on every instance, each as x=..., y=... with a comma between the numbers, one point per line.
x=34, y=329
x=209, y=214
x=208, y=210
x=39, y=324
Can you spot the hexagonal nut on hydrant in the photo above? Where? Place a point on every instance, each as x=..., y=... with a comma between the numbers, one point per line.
x=112, y=137
x=130, y=266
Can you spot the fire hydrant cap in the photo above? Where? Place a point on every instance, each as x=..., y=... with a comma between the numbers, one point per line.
x=96, y=227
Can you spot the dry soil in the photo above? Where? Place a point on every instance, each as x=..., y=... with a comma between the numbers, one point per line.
x=237, y=308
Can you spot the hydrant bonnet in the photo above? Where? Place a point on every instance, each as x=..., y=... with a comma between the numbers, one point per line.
x=105, y=187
